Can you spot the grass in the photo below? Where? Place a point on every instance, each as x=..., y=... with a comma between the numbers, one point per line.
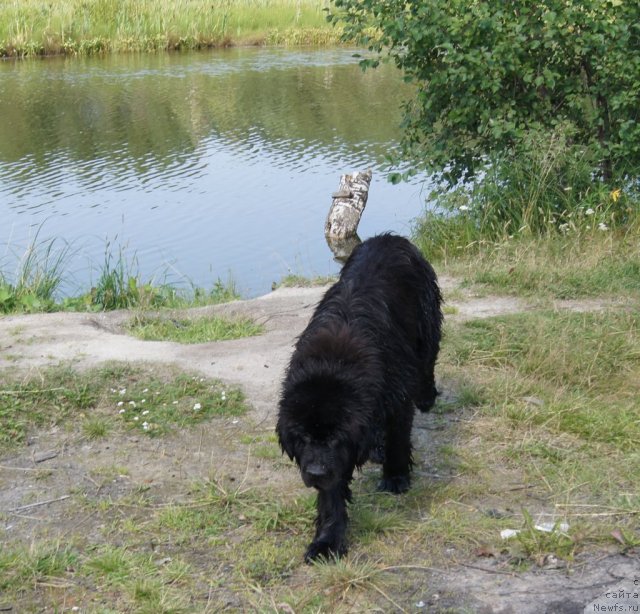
x=540, y=424
x=115, y=398
x=37, y=277
x=193, y=330
x=30, y=27
x=299, y=281
x=559, y=403
x=554, y=266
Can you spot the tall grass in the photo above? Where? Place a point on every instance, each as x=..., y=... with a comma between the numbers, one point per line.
x=32, y=27
x=554, y=265
x=37, y=277
x=544, y=187
x=119, y=285
x=39, y=274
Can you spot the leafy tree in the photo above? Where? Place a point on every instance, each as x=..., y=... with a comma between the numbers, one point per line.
x=490, y=72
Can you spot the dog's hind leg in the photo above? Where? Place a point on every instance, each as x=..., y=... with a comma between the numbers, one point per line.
x=331, y=524
x=396, y=468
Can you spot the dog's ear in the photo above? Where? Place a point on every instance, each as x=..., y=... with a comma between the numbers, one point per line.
x=287, y=441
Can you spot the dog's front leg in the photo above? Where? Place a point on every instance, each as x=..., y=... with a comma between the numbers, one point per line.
x=331, y=524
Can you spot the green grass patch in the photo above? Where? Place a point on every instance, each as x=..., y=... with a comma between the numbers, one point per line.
x=299, y=281
x=37, y=277
x=84, y=27
x=557, y=406
x=591, y=353
x=28, y=566
x=554, y=266
x=193, y=330
x=111, y=398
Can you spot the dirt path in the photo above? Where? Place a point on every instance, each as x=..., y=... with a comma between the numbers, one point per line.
x=255, y=364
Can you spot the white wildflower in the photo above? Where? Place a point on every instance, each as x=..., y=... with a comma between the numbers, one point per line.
x=122, y=391
x=136, y=418
x=145, y=390
x=197, y=406
x=589, y=211
x=120, y=403
x=602, y=226
x=463, y=208
x=145, y=412
x=145, y=426
x=121, y=411
x=132, y=403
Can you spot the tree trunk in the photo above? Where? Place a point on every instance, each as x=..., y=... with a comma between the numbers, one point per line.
x=340, y=229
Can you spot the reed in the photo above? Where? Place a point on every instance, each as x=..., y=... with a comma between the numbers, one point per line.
x=32, y=27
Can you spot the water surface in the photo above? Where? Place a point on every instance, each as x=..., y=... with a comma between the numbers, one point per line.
x=199, y=165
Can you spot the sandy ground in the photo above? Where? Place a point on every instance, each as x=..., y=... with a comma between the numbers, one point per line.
x=256, y=364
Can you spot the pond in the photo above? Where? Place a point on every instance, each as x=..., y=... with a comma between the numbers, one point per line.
x=195, y=166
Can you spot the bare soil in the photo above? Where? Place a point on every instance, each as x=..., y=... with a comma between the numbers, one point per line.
x=37, y=482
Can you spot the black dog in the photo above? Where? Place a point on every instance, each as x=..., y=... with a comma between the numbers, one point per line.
x=366, y=356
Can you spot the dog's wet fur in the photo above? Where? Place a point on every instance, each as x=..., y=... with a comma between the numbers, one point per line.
x=366, y=357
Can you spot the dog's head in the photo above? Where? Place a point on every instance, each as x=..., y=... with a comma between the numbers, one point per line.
x=322, y=425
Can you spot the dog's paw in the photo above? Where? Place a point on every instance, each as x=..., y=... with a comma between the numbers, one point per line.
x=320, y=550
x=396, y=484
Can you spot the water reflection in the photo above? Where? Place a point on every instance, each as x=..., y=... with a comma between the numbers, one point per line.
x=201, y=163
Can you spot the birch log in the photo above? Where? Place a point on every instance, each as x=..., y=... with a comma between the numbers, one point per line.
x=340, y=229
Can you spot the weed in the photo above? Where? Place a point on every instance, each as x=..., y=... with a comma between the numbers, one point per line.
x=119, y=285
x=264, y=562
x=267, y=451
x=154, y=406
x=96, y=428
x=371, y=522
x=341, y=576
x=539, y=544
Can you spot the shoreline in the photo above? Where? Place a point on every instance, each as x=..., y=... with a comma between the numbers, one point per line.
x=77, y=28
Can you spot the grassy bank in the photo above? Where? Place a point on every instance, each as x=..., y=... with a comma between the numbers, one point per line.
x=538, y=423
x=35, y=281
x=31, y=27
